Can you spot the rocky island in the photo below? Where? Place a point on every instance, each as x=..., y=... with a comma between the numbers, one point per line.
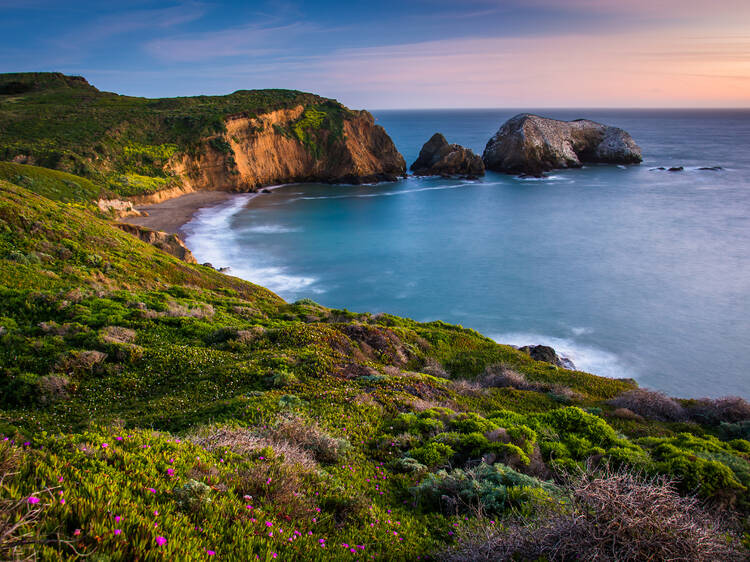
x=530, y=144
x=438, y=158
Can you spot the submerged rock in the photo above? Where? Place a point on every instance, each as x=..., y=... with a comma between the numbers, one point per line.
x=548, y=355
x=438, y=158
x=530, y=144
x=675, y=169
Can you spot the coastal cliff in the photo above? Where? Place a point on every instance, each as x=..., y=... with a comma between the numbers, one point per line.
x=270, y=149
x=148, y=150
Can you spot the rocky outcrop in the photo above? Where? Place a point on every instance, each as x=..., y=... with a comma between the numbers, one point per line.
x=438, y=158
x=267, y=150
x=166, y=242
x=548, y=355
x=118, y=208
x=529, y=144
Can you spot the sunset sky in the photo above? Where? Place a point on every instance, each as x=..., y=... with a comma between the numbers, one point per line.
x=398, y=54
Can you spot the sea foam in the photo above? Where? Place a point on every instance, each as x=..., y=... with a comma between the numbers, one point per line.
x=585, y=357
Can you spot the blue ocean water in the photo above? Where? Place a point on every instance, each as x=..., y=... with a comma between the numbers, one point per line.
x=629, y=271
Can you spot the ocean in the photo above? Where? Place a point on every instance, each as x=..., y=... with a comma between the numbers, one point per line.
x=628, y=271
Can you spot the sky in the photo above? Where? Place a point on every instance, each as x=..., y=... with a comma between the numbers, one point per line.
x=381, y=54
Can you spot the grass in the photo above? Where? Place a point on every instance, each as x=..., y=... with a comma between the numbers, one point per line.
x=162, y=410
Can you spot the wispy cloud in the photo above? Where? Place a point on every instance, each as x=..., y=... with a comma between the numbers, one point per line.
x=249, y=40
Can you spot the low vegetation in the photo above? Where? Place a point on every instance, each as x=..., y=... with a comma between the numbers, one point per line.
x=157, y=410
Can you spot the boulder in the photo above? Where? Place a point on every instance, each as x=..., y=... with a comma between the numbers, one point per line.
x=548, y=355
x=438, y=158
x=530, y=144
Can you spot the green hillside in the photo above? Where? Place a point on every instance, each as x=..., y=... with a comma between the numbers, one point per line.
x=123, y=142
x=157, y=410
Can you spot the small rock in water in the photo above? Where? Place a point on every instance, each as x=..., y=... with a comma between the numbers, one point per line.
x=265, y=191
x=662, y=168
x=548, y=355
x=675, y=169
x=711, y=168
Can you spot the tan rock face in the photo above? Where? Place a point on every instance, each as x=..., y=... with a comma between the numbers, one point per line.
x=166, y=242
x=256, y=152
x=530, y=144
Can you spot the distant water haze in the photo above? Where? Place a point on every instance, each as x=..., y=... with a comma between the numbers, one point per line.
x=630, y=272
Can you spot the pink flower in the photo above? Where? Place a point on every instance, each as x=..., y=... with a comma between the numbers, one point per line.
x=62, y=501
x=269, y=524
x=118, y=531
x=210, y=552
x=170, y=471
x=151, y=490
x=118, y=438
x=104, y=445
x=118, y=518
x=76, y=532
x=32, y=500
x=156, y=512
x=161, y=541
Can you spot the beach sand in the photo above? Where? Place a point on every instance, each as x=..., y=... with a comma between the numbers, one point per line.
x=170, y=216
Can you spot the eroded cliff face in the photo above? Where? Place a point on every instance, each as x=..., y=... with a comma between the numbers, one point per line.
x=264, y=150
x=170, y=243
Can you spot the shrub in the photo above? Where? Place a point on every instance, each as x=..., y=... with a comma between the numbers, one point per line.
x=77, y=361
x=650, y=404
x=408, y=465
x=281, y=379
x=611, y=517
x=251, y=444
x=501, y=376
x=433, y=367
x=117, y=334
x=492, y=490
x=739, y=430
x=472, y=422
x=310, y=437
x=54, y=388
x=192, y=496
x=731, y=409
x=626, y=414
x=432, y=454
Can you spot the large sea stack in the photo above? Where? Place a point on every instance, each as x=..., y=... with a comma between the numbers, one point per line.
x=438, y=158
x=530, y=144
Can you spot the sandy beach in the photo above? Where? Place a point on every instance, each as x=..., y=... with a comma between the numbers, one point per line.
x=170, y=216
x=173, y=214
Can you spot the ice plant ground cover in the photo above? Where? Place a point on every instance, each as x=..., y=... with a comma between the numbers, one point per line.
x=158, y=410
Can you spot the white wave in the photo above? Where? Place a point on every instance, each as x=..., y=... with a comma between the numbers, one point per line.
x=270, y=229
x=212, y=239
x=385, y=193
x=585, y=357
x=580, y=331
x=544, y=178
